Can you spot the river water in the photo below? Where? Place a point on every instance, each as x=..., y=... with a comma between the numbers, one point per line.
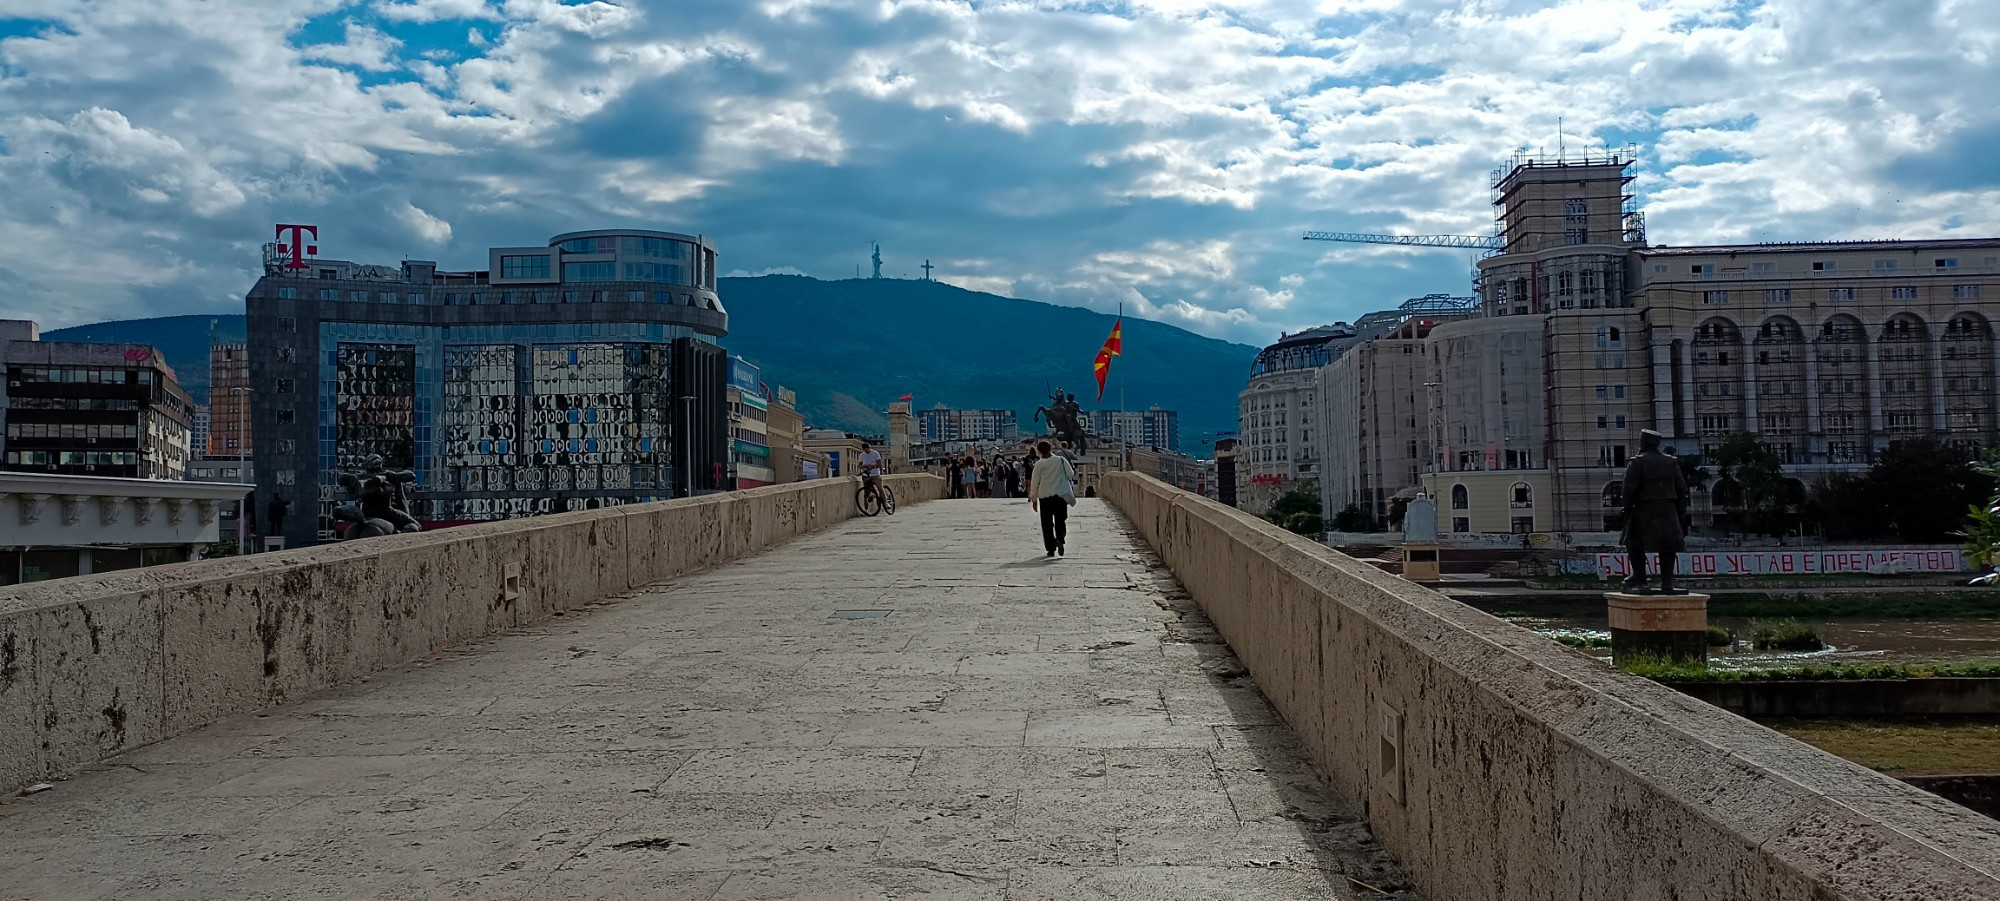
x=1852, y=641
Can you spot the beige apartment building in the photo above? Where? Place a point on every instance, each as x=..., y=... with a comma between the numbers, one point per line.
x=1277, y=413
x=1376, y=411
x=1489, y=418
x=1826, y=351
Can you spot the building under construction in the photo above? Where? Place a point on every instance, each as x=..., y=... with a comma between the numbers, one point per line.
x=1585, y=334
x=1827, y=351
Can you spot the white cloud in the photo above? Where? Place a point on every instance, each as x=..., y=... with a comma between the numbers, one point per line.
x=1161, y=153
x=433, y=10
x=425, y=226
x=365, y=48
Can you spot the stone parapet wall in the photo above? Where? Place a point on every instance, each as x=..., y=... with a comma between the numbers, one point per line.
x=1497, y=764
x=97, y=665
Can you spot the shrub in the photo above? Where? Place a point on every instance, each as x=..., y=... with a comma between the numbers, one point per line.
x=1574, y=640
x=1665, y=670
x=1784, y=635
x=1719, y=637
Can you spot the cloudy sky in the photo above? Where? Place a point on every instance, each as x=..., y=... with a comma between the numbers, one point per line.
x=1165, y=154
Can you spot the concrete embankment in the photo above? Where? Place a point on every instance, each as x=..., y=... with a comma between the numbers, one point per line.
x=93, y=666
x=1496, y=764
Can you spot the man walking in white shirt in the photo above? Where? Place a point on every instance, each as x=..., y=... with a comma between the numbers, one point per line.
x=1051, y=489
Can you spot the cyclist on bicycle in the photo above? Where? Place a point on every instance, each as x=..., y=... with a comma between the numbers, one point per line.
x=870, y=461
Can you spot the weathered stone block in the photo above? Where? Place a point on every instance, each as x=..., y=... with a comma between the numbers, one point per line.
x=100, y=671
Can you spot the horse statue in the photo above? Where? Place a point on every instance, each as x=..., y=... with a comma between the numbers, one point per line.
x=1065, y=418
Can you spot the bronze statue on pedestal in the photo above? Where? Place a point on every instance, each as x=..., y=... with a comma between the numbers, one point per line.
x=1656, y=506
x=379, y=505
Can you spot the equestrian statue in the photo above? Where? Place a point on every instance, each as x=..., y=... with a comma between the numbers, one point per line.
x=1065, y=418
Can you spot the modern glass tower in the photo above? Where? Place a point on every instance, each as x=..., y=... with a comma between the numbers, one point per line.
x=576, y=375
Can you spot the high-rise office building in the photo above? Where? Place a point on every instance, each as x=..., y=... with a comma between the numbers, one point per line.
x=198, y=432
x=580, y=374
x=228, y=403
x=112, y=410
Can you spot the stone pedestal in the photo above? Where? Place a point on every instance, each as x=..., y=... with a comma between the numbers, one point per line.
x=1662, y=625
x=274, y=543
x=1420, y=562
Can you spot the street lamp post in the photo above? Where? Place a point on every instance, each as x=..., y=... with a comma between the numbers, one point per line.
x=687, y=441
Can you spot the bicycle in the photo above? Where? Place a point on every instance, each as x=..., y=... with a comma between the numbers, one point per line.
x=872, y=499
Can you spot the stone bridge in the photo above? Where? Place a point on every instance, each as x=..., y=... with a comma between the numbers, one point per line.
x=756, y=695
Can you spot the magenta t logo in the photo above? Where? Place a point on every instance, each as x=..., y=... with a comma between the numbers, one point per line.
x=292, y=240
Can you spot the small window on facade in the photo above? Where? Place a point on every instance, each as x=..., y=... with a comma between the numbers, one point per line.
x=286, y=416
x=1460, y=498
x=284, y=386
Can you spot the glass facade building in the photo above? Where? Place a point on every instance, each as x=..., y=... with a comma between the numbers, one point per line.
x=507, y=392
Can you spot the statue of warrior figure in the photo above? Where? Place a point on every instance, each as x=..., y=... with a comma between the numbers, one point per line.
x=1656, y=506
x=1065, y=418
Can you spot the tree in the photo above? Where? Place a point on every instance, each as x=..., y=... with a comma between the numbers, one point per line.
x=1305, y=524
x=1353, y=519
x=1695, y=473
x=1982, y=533
x=1398, y=508
x=1846, y=507
x=1926, y=487
x=1303, y=499
x=1754, y=467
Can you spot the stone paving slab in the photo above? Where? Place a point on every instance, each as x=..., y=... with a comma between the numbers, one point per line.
x=1015, y=728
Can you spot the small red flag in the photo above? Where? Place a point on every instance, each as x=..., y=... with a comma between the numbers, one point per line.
x=1114, y=346
x=906, y=397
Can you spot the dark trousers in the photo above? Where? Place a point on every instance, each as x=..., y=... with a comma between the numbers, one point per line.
x=1055, y=522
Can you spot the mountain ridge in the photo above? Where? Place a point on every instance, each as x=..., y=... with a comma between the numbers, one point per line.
x=850, y=347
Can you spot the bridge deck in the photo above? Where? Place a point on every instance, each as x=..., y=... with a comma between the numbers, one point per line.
x=1012, y=728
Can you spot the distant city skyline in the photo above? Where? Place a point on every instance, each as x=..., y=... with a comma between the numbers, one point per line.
x=1162, y=154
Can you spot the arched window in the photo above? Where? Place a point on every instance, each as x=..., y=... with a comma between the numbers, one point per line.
x=1460, y=498
x=1614, y=495
x=1523, y=496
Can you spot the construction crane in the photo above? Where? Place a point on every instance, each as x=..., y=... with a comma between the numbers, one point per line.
x=1470, y=242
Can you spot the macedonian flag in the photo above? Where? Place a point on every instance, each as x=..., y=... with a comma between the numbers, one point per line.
x=1113, y=346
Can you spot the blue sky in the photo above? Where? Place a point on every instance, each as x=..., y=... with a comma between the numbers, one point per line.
x=1162, y=154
